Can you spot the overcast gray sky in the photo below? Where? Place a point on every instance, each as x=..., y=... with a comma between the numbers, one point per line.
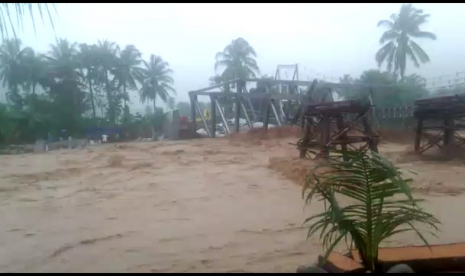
x=324, y=39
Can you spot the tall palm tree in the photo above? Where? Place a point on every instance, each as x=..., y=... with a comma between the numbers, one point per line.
x=107, y=58
x=156, y=82
x=87, y=60
x=35, y=68
x=12, y=75
x=126, y=71
x=64, y=68
x=402, y=29
x=238, y=59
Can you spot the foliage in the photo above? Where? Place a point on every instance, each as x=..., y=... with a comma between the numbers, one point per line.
x=402, y=29
x=238, y=59
x=386, y=90
x=156, y=82
x=74, y=79
x=381, y=204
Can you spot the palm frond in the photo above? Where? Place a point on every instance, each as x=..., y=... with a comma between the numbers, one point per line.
x=386, y=23
x=389, y=36
x=421, y=34
x=383, y=53
x=382, y=204
x=419, y=52
x=412, y=57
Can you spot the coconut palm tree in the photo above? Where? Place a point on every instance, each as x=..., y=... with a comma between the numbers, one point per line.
x=127, y=70
x=156, y=82
x=402, y=29
x=35, y=69
x=12, y=69
x=64, y=69
x=107, y=59
x=88, y=61
x=238, y=59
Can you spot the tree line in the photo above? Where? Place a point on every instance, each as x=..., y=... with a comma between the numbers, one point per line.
x=82, y=84
x=88, y=85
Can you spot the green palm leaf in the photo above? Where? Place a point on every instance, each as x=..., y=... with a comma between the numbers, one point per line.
x=381, y=204
x=238, y=60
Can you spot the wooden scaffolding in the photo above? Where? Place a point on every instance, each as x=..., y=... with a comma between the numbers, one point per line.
x=329, y=125
x=439, y=120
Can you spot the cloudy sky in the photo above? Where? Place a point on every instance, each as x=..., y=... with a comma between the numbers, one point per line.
x=326, y=40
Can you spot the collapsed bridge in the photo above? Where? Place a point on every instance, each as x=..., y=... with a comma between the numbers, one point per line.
x=305, y=102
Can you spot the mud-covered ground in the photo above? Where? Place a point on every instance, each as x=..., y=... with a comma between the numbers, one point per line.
x=210, y=205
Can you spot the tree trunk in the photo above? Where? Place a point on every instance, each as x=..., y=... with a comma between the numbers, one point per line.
x=91, y=93
x=33, y=96
x=111, y=114
x=124, y=94
x=154, y=110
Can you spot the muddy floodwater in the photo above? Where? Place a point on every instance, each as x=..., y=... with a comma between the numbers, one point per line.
x=209, y=205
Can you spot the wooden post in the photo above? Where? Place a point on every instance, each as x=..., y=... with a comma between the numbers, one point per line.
x=239, y=86
x=449, y=131
x=276, y=113
x=418, y=134
x=213, y=116
x=305, y=138
x=326, y=134
x=373, y=144
x=374, y=116
x=193, y=99
x=288, y=104
x=303, y=104
x=266, y=120
x=340, y=126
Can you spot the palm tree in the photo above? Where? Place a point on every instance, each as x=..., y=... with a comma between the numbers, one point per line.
x=87, y=60
x=106, y=59
x=156, y=82
x=238, y=58
x=381, y=204
x=402, y=28
x=65, y=76
x=36, y=69
x=7, y=9
x=12, y=69
x=126, y=71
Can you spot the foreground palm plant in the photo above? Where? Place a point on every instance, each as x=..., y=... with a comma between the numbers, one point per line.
x=8, y=12
x=381, y=204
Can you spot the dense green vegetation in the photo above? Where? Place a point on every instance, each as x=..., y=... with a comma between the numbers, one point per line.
x=83, y=85
x=73, y=86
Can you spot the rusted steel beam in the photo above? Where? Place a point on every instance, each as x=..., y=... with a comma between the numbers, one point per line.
x=213, y=116
x=238, y=102
x=193, y=102
x=296, y=97
x=213, y=86
x=299, y=114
